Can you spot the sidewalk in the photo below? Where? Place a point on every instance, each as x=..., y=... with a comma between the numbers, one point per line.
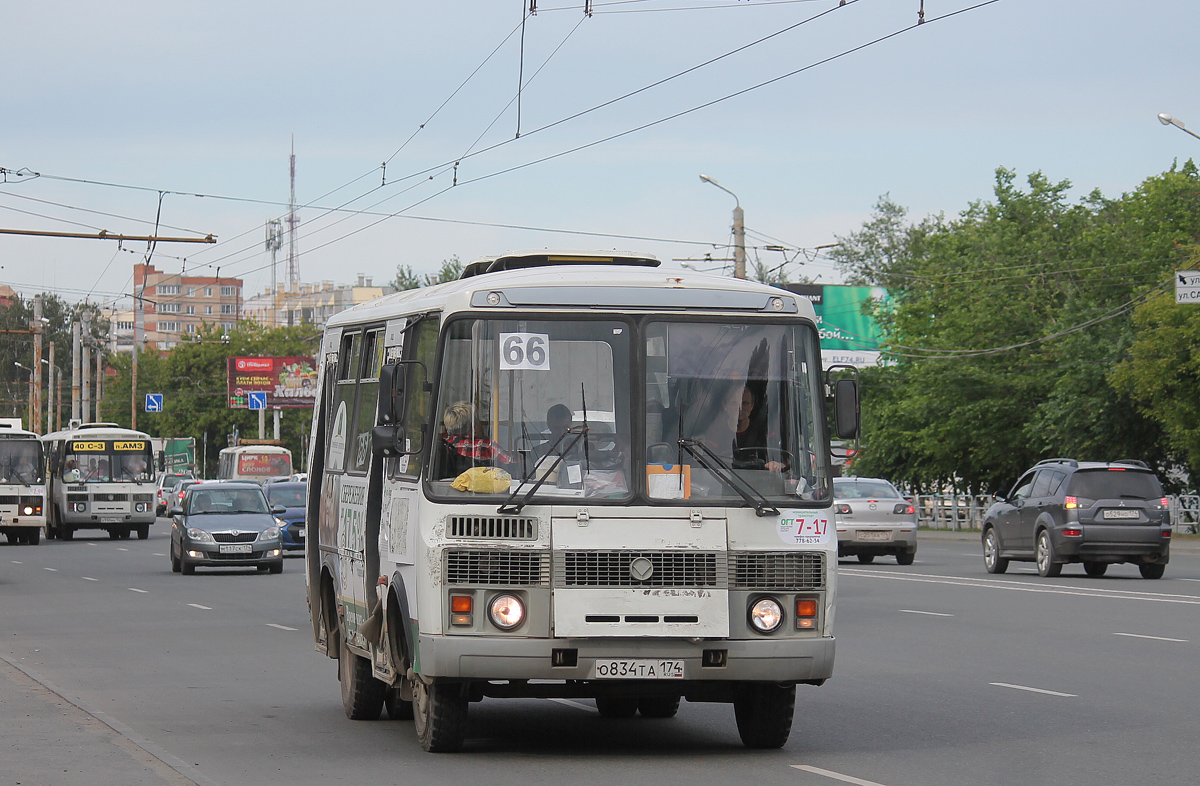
x=52, y=740
x=1180, y=544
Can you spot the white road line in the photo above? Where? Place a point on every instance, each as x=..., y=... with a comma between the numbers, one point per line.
x=930, y=613
x=1020, y=586
x=121, y=549
x=159, y=555
x=1156, y=638
x=575, y=704
x=837, y=776
x=88, y=578
x=135, y=589
x=281, y=627
x=1034, y=690
x=52, y=570
x=17, y=562
x=198, y=606
x=1189, y=579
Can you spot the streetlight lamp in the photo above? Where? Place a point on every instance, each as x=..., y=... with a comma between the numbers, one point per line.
x=29, y=409
x=1167, y=120
x=739, y=229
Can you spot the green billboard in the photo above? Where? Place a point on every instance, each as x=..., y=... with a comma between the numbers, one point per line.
x=849, y=333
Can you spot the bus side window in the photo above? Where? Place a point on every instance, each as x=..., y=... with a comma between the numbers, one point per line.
x=359, y=458
x=341, y=423
x=421, y=345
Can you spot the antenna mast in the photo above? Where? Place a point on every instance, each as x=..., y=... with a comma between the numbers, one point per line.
x=293, y=264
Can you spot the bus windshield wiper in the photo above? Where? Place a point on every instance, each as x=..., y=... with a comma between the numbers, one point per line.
x=717, y=466
x=508, y=506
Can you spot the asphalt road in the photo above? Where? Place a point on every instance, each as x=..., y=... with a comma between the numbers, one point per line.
x=944, y=676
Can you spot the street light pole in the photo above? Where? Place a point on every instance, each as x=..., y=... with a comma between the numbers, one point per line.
x=739, y=229
x=1167, y=120
x=29, y=407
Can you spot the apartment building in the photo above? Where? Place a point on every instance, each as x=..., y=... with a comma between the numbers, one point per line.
x=312, y=304
x=176, y=305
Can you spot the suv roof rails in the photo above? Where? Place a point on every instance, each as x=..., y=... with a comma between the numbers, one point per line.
x=1134, y=462
x=1068, y=461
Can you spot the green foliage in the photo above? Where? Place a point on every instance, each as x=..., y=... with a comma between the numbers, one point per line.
x=406, y=278
x=193, y=380
x=1008, y=322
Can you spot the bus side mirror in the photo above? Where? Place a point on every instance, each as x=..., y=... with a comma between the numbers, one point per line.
x=392, y=378
x=845, y=408
x=389, y=441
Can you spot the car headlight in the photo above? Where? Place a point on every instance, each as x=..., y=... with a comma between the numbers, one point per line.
x=280, y=522
x=199, y=535
x=766, y=615
x=270, y=533
x=506, y=611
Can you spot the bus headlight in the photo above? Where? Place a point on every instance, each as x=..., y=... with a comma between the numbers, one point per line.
x=506, y=611
x=140, y=507
x=766, y=615
x=27, y=510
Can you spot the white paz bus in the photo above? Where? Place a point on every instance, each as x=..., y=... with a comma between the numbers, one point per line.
x=22, y=484
x=99, y=476
x=257, y=463
x=575, y=476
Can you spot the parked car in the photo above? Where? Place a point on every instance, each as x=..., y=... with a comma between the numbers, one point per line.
x=1065, y=511
x=225, y=525
x=293, y=497
x=873, y=518
x=164, y=498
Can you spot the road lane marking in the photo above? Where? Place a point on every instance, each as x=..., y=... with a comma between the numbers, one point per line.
x=17, y=562
x=930, y=613
x=52, y=570
x=159, y=555
x=121, y=549
x=1017, y=586
x=837, y=776
x=1182, y=579
x=88, y=578
x=281, y=627
x=577, y=705
x=1034, y=690
x=135, y=589
x=198, y=606
x=1156, y=638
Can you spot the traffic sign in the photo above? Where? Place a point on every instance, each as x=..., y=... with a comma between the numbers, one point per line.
x=1187, y=286
x=154, y=402
x=257, y=399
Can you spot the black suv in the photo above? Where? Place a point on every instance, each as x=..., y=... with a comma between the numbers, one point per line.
x=1096, y=513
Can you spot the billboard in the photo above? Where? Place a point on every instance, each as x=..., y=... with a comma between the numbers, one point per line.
x=848, y=336
x=287, y=381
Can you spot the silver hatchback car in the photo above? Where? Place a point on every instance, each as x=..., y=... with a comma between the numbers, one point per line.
x=873, y=518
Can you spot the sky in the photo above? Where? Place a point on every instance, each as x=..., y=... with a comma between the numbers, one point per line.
x=115, y=116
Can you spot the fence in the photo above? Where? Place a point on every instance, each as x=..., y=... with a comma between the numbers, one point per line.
x=966, y=512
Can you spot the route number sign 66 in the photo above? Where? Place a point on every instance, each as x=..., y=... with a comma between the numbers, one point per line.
x=525, y=351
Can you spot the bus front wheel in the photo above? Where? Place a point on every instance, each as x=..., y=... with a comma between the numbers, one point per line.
x=440, y=715
x=764, y=713
x=362, y=694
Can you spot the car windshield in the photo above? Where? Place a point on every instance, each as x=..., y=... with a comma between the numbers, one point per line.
x=864, y=489
x=218, y=500
x=1114, y=484
x=288, y=496
x=20, y=461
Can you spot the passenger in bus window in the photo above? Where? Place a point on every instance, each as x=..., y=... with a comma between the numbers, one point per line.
x=750, y=436
x=133, y=467
x=24, y=469
x=464, y=445
x=70, y=471
x=558, y=420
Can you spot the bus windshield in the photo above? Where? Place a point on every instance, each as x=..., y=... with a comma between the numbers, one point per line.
x=21, y=461
x=108, y=461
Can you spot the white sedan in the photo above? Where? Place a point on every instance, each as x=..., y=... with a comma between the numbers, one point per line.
x=873, y=518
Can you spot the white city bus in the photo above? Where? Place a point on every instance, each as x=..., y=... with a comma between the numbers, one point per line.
x=574, y=476
x=22, y=485
x=99, y=476
x=255, y=462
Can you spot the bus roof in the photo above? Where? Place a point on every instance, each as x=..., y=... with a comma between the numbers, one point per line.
x=256, y=449
x=567, y=281
x=97, y=430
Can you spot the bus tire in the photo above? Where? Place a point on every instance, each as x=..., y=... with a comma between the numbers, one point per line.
x=34, y=537
x=13, y=538
x=610, y=707
x=362, y=694
x=439, y=716
x=66, y=533
x=658, y=706
x=114, y=534
x=764, y=713
x=143, y=531
x=397, y=707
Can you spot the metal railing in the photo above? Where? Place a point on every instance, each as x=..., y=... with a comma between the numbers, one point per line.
x=966, y=511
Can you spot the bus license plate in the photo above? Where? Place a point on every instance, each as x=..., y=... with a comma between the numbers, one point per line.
x=235, y=548
x=862, y=535
x=110, y=519
x=638, y=669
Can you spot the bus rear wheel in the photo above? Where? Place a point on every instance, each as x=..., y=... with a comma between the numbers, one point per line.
x=764, y=713
x=439, y=715
x=34, y=536
x=143, y=532
x=66, y=533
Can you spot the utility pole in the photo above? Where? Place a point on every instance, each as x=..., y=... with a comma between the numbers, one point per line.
x=99, y=378
x=51, y=398
x=739, y=243
x=75, y=370
x=139, y=287
x=85, y=362
x=37, y=364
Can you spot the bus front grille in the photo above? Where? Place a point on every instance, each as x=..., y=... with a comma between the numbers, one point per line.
x=778, y=570
x=492, y=527
x=9, y=500
x=617, y=569
x=497, y=567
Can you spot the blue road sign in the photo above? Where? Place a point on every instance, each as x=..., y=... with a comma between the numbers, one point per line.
x=154, y=402
x=257, y=399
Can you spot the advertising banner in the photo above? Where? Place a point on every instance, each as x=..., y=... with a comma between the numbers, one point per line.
x=848, y=335
x=287, y=381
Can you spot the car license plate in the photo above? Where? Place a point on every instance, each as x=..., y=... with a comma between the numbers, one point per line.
x=235, y=548
x=638, y=669
x=110, y=519
x=865, y=535
x=1121, y=514
x=299, y=534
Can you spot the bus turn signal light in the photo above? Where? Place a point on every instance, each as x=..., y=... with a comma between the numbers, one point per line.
x=461, y=604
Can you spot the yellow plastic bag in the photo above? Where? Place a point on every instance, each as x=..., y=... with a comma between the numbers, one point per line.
x=483, y=480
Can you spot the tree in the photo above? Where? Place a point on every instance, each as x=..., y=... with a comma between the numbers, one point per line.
x=406, y=278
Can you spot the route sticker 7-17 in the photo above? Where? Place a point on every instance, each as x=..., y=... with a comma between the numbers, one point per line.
x=805, y=527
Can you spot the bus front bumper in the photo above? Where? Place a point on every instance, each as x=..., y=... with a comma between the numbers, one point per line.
x=501, y=658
